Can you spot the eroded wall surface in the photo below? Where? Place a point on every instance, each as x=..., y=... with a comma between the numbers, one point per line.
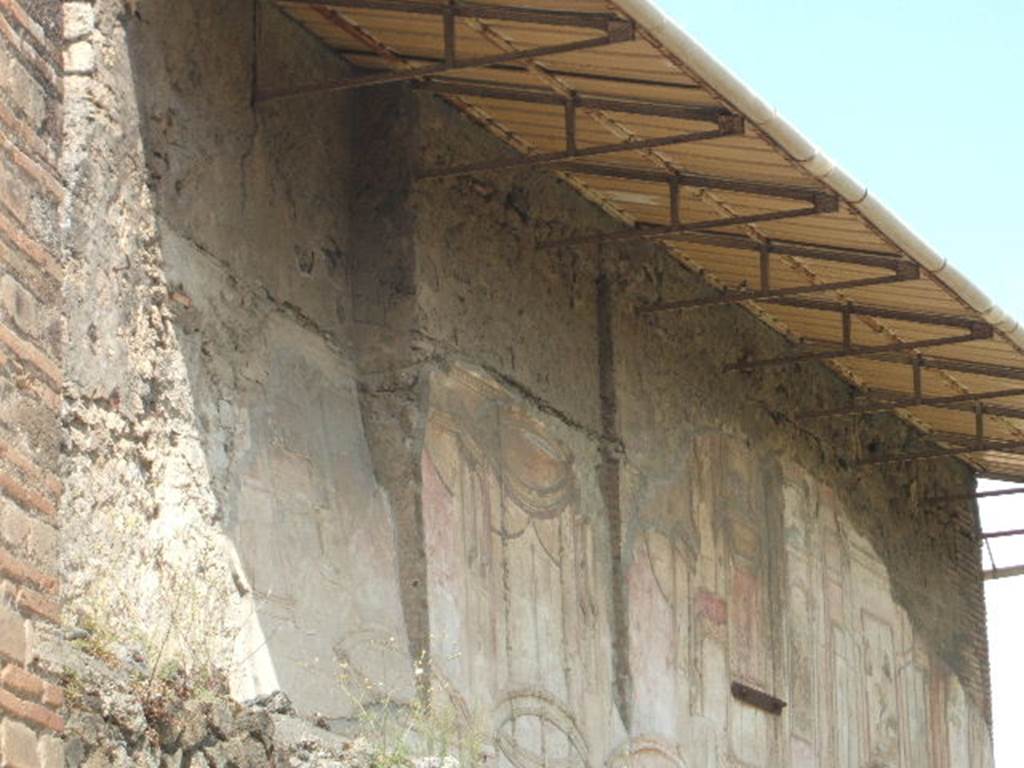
x=326, y=423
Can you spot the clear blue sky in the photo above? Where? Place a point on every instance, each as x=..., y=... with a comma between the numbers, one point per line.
x=921, y=102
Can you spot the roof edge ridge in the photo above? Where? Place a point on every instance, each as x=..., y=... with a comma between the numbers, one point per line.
x=732, y=89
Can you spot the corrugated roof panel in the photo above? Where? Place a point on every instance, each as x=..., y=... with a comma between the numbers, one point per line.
x=647, y=69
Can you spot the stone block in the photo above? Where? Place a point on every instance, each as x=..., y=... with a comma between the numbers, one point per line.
x=79, y=58
x=17, y=745
x=12, y=635
x=51, y=752
x=79, y=20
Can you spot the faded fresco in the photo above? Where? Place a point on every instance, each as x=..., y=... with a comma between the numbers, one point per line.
x=737, y=568
x=517, y=577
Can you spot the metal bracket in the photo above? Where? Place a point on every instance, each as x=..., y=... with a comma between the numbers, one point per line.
x=572, y=151
x=902, y=271
x=979, y=495
x=451, y=86
x=617, y=30
x=942, y=401
x=999, y=446
x=1003, y=573
x=659, y=233
x=975, y=331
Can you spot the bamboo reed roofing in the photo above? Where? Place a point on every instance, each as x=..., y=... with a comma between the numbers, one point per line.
x=567, y=82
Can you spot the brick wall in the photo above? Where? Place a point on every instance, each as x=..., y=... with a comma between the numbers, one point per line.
x=30, y=380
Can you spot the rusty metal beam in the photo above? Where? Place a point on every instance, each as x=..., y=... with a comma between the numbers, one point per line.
x=976, y=330
x=798, y=250
x=825, y=204
x=853, y=350
x=980, y=495
x=999, y=446
x=955, y=365
x=895, y=402
x=989, y=409
x=1002, y=534
x=888, y=313
x=618, y=32
x=573, y=151
x=470, y=10
x=1003, y=573
x=462, y=87
x=604, y=79
x=736, y=297
x=766, y=189
x=907, y=272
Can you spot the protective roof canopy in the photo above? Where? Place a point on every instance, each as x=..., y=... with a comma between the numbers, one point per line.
x=638, y=117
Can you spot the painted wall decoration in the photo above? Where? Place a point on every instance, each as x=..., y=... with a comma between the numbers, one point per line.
x=737, y=567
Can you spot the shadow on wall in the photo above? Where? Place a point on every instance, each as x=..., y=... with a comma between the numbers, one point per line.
x=217, y=464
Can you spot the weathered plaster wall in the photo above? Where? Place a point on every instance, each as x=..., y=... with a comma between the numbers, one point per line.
x=322, y=417
x=219, y=502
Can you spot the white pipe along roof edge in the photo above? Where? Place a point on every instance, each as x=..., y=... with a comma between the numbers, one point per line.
x=718, y=78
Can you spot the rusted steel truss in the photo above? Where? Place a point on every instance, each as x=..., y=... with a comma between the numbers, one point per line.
x=979, y=495
x=1002, y=534
x=1003, y=573
x=978, y=443
x=965, y=401
x=973, y=331
x=615, y=30
x=900, y=271
x=728, y=124
x=470, y=10
x=818, y=202
x=998, y=446
x=532, y=95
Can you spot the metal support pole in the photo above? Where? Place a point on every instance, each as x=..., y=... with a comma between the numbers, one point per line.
x=918, y=389
x=673, y=202
x=570, y=127
x=979, y=423
x=449, y=35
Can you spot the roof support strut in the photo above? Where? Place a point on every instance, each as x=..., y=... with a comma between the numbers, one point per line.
x=823, y=204
x=616, y=30
x=961, y=401
x=1003, y=573
x=975, y=331
x=980, y=495
x=729, y=126
x=999, y=446
x=902, y=271
x=979, y=444
x=473, y=88
x=579, y=19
